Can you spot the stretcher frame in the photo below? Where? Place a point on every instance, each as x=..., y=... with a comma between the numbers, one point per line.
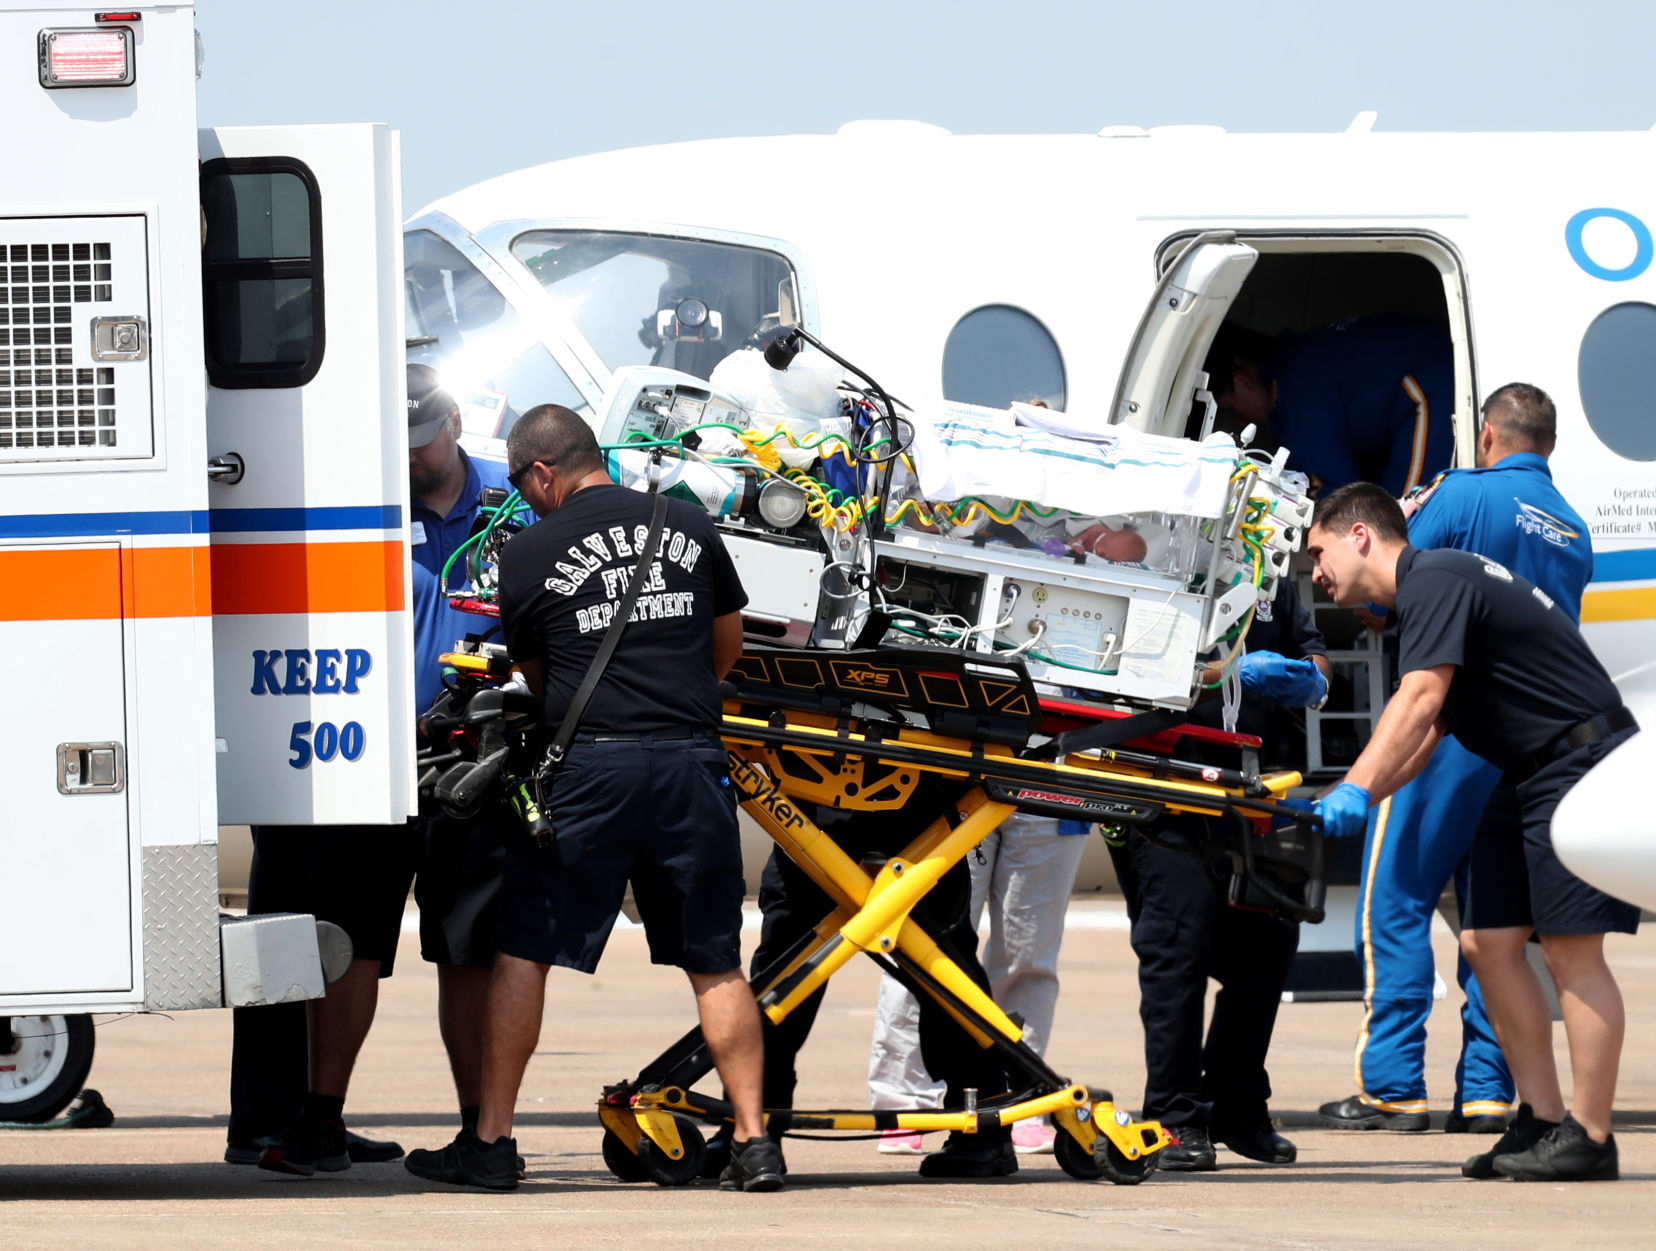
x=796, y=733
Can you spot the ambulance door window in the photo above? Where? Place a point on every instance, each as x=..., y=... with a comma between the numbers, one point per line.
x=997, y=354
x=261, y=272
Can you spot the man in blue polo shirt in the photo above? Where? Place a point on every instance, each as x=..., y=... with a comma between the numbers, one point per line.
x=1367, y=399
x=1508, y=510
x=287, y=1096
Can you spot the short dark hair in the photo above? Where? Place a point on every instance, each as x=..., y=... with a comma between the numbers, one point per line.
x=1523, y=416
x=553, y=435
x=1234, y=348
x=1365, y=502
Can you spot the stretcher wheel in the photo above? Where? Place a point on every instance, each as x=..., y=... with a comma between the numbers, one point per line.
x=1075, y=1159
x=622, y=1163
x=1118, y=1168
x=667, y=1172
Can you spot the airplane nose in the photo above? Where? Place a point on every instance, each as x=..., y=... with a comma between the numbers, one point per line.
x=1603, y=838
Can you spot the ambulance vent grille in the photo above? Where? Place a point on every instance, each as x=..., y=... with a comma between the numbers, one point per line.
x=46, y=399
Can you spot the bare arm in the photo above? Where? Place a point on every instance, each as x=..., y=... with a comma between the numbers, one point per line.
x=1407, y=731
x=727, y=642
x=531, y=671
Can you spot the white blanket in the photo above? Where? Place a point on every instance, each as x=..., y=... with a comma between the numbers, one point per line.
x=965, y=450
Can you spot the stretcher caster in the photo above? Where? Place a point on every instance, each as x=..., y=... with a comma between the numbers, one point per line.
x=1102, y=1160
x=622, y=1163
x=1117, y=1167
x=661, y=1168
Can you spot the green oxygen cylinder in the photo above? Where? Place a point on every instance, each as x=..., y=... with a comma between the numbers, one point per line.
x=722, y=490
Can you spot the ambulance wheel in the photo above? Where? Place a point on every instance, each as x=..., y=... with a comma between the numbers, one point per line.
x=44, y=1061
x=622, y=1163
x=668, y=1172
x=1118, y=1168
x=1075, y=1159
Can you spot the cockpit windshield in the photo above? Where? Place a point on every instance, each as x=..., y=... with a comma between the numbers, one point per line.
x=489, y=358
x=642, y=299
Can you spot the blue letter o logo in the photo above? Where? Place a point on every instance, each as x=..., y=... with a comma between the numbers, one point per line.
x=1644, y=248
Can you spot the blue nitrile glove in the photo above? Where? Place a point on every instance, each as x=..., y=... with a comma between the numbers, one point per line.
x=1067, y=825
x=1291, y=683
x=1344, y=811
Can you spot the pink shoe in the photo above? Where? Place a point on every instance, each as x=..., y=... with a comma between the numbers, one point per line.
x=901, y=1142
x=1032, y=1138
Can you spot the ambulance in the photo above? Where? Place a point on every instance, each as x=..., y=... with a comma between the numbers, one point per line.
x=203, y=525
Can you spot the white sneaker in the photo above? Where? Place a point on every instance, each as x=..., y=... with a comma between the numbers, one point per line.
x=1032, y=1138
x=901, y=1142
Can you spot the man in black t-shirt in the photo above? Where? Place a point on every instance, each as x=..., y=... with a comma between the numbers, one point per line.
x=1488, y=657
x=643, y=793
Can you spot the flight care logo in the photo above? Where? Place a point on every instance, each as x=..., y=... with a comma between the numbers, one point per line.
x=1532, y=521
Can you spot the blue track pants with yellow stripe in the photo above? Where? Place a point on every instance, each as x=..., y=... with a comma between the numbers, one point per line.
x=1417, y=840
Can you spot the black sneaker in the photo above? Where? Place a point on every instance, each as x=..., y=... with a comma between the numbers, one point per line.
x=469, y=1161
x=1526, y=1130
x=246, y=1150
x=755, y=1165
x=1565, y=1153
x=717, y=1158
x=1257, y=1140
x=367, y=1151
x=972, y=1155
x=468, y=1120
x=1192, y=1152
x=1477, y=1123
x=307, y=1148
x=1353, y=1113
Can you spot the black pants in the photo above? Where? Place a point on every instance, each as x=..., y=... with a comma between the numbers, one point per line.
x=1184, y=933
x=792, y=905
x=269, y=1051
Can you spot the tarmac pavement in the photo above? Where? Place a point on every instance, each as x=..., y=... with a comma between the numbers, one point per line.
x=155, y=1177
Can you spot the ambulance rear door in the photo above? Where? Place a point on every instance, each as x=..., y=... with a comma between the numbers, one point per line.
x=1160, y=377
x=306, y=430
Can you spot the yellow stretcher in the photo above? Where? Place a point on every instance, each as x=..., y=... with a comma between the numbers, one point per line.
x=857, y=731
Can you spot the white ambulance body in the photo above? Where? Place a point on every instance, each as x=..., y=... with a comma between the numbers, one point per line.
x=203, y=498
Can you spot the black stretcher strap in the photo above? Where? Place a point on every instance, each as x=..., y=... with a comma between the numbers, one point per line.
x=1109, y=733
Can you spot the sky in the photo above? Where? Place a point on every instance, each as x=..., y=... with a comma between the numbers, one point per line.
x=483, y=87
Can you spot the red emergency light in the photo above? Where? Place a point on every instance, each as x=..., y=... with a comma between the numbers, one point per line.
x=95, y=57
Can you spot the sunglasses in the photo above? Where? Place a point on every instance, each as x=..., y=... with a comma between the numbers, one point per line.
x=516, y=476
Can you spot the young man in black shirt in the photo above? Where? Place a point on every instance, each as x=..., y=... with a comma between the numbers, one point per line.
x=1487, y=656
x=643, y=793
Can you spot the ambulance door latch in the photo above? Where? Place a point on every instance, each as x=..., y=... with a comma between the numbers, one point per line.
x=91, y=768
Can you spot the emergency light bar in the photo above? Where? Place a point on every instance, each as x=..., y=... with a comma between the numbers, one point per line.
x=87, y=57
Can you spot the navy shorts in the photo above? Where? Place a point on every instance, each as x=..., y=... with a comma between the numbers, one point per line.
x=356, y=876
x=1517, y=879
x=458, y=887
x=659, y=811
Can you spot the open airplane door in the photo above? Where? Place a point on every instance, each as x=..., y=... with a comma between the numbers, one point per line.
x=1163, y=370
x=306, y=428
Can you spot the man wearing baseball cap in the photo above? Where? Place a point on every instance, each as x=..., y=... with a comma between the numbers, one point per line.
x=287, y=1098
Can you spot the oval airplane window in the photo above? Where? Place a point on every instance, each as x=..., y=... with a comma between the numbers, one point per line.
x=1616, y=371
x=997, y=354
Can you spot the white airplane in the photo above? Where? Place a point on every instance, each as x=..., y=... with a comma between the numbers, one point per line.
x=997, y=268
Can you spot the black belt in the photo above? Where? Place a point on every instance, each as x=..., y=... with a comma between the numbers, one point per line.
x=659, y=736
x=1578, y=736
